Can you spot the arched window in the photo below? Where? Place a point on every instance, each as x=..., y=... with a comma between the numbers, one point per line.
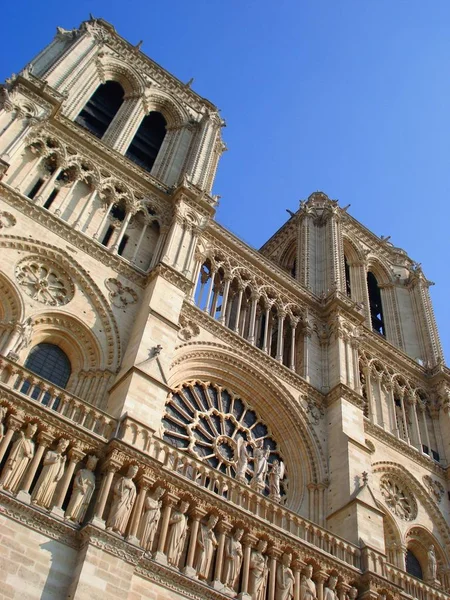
x=348, y=286
x=413, y=565
x=49, y=362
x=101, y=109
x=147, y=141
x=376, y=308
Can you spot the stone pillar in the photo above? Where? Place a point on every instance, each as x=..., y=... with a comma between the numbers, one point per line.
x=247, y=543
x=144, y=484
x=321, y=577
x=138, y=245
x=251, y=330
x=89, y=202
x=105, y=218
x=44, y=441
x=196, y=515
x=169, y=502
x=14, y=423
x=75, y=455
x=238, y=309
x=274, y=554
x=45, y=191
x=111, y=467
x=293, y=344
x=226, y=291
x=222, y=528
x=280, y=338
x=266, y=330
x=123, y=228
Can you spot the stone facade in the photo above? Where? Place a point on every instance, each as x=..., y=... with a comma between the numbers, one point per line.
x=182, y=416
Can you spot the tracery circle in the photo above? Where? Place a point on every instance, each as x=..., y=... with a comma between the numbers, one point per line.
x=44, y=281
x=398, y=498
x=208, y=420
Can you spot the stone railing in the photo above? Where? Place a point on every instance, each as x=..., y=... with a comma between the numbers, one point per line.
x=253, y=503
x=19, y=380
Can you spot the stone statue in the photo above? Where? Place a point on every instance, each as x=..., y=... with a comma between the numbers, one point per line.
x=22, y=452
x=329, y=592
x=150, y=520
x=207, y=542
x=52, y=471
x=258, y=571
x=177, y=534
x=275, y=476
x=285, y=579
x=352, y=593
x=241, y=460
x=260, y=456
x=124, y=495
x=432, y=564
x=307, y=586
x=21, y=337
x=83, y=488
x=3, y=411
x=233, y=559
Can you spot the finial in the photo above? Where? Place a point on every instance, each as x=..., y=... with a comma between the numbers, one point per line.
x=138, y=45
x=365, y=478
x=290, y=212
x=190, y=82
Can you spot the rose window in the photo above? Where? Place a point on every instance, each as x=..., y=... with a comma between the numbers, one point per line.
x=398, y=498
x=44, y=281
x=212, y=424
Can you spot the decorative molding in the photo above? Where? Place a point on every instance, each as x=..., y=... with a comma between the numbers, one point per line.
x=44, y=281
x=120, y=295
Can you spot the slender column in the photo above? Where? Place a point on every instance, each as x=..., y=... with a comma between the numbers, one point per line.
x=280, y=339
x=223, y=528
x=44, y=441
x=66, y=198
x=356, y=377
x=247, y=544
x=137, y=511
x=191, y=250
x=105, y=218
x=123, y=228
x=216, y=291
x=159, y=245
x=251, y=330
x=50, y=183
x=210, y=290
x=196, y=514
x=170, y=239
x=90, y=200
x=297, y=566
x=238, y=309
x=320, y=579
x=412, y=401
x=104, y=491
x=170, y=501
x=138, y=245
x=75, y=455
x=15, y=144
x=273, y=553
x=425, y=425
x=348, y=378
x=14, y=424
x=231, y=297
x=392, y=411
x=266, y=329
x=195, y=281
x=204, y=278
x=185, y=228
x=34, y=164
x=226, y=290
x=293, y=330
x=405, y=422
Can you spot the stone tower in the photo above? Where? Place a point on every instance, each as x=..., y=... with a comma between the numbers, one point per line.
x=182, y=415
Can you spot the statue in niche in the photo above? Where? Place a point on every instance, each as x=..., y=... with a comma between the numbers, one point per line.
x=83, y=488
x=352, y=593
x=233, y=559
x=124, y=495
x=307, y=586
x=22, y=452
x=241, y=460
x=52, y=471
x=329, y=591
x=207, y=542
x=3, y=411
x=284, y=579
x=275, y=476
x=177, y=534
x=260, y=456
x=150, y=520
x=432, y=564
x=20, y=338
x=258, y=571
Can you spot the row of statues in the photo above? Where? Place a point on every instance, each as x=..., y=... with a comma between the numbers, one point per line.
x=261, y=471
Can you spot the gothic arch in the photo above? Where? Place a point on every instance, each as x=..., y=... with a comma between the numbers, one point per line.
x=351, y=251
x=11, y=303
x=381, y=271
x=113, y=69
x=169, y=107
x=284, y=416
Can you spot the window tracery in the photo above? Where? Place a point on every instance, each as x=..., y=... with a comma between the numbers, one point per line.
x=209, y=422
x=398, y=498
x=44, y=281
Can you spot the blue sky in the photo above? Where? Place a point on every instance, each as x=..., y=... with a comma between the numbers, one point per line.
x=351, y=97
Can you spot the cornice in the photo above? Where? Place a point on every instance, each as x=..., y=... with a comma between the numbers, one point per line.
x=172, y=276
x=341, y=391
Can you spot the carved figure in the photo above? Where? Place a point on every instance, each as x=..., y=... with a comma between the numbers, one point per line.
x=124, y=496
x=22, y=452
x=177, y=534
x=83, y=488
x=260, y=457
x=241, y=460
x=52, y=471
x=285, y=579
x=207, y=542
x=275, y=476
x=150, y=520
x=432, y=564
x=258, y=571
x=3, y=411
x=307, y=586
x=233, y=558
x=352, y=593
x=329, y=592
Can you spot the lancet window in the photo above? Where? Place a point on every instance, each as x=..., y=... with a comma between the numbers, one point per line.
x=101, y=109
x=220, y=428
x=375, y=304
x=147, y=142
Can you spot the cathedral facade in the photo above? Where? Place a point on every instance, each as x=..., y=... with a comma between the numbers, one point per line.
x=181, y=415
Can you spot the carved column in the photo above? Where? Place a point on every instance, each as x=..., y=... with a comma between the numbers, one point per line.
x=50, y=183
x=89, y=202
x=210, y=290
x=274, y=554
x=266, y=330
x=251, y=330
x=170, y=500
x=226, y=290
x=44, y=441
x=297, y=566
x=111, y=468
x=280, y=339
x=123, y=228
x=139, y=242
x=238, y=308
x=223, y=528
x=144, y=484
x=14, y=423
x=294, y=323
x=75, y=455
x=412, y=403
x=320, y=580
x=59, y=210
x=423, y=411
x=247, y=543
x=105, y=218
x=195, y=232
x=196, y=515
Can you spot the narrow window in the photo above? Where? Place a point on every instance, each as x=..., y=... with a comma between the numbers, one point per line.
x=122, y=245
x=348, y=287
x=108, y=235
x=413, y=565
x=145, y=145
x=101, y=109
x=35, y=189
x=376, y=308
x=50, y=199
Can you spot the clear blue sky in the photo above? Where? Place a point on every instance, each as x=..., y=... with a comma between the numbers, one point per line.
x=351, y=97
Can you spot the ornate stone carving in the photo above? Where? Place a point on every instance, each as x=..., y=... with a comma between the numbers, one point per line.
x=120, y=295
x=7, y=220
x=260, y=464
x=124, y=495
x=315, y=411
x=398, y=498
x=19, y=458
x=83, y=488
x=431, y=565
x=188, y=329
x=258, y=572
x=150, y=519
x=329, y=591
x=307, y=586
x=233, y=559
x=52, y=471
x=44, y=281
x=207, y=542
x=177, y=534
x=285, y=579
x=275, y=476
x=3, y=412
x=434, y=487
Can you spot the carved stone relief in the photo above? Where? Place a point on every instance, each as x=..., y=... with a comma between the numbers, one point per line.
x=188, y=329
x=120, y=295
x=398, y=498
x=44, y=281
x=6, y=220
x=434, y=487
